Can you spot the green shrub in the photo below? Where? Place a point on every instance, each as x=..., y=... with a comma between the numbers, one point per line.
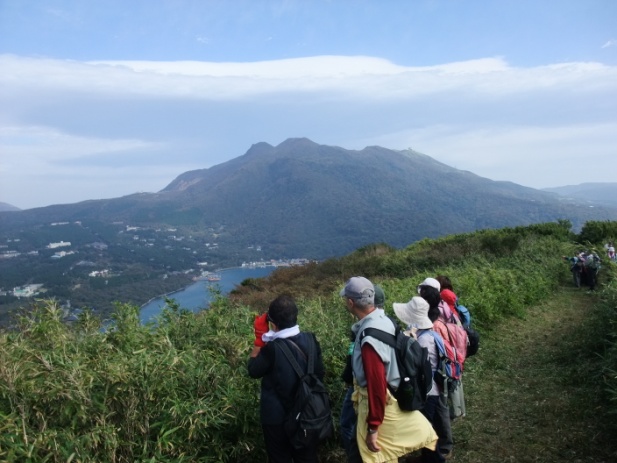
x=597, y=232
x=608, y=296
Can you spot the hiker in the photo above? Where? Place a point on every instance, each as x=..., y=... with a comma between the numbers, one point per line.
x=348, y=414
x=278, y=379
x=431, y=288
x=444, y=282
x=383, y=431
x=583, y=264
x=439, y=313
x=611, y=251
x=448, y=305
x=414, y=314
x=447, y=294
x=576, y=267
x=592, y=267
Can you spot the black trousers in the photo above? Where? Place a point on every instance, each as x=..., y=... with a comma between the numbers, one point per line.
x=434, y=412
x=280, y=451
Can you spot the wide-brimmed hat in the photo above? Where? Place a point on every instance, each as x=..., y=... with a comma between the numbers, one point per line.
x=414, y=313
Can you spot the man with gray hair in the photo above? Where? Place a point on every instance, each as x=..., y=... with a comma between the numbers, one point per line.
x=383, y=431
x=348, y=414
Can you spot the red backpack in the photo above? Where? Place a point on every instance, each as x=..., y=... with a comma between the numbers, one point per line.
x=454, y=339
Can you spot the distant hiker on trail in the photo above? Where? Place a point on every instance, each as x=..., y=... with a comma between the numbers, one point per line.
x=611, y=251
x=592, y=267
x=384, y=432
x=278, y=378
x=348, y=414
x=577, y=265
x=414, y=314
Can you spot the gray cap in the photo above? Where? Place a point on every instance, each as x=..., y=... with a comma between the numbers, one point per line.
x=358, y=288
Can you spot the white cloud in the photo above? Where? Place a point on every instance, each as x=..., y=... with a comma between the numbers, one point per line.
x=610, y=43
x=70, y=185
x=532, y=156
x=40, y=151
x=360, y=76
x=42, y=143
x=43, y=164
x=60, y=118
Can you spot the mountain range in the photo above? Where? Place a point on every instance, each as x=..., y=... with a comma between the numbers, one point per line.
x=8, y=207
x=596, y=194
x=304, y=199
x=295, y=200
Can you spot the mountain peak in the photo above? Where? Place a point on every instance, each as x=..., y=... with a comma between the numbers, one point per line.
x=8, y=207
x=295, y=143
x=259, y=148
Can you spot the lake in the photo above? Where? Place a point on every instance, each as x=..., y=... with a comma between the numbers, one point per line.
x=197, y=296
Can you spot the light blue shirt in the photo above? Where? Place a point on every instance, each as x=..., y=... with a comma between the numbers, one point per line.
x=379, y=320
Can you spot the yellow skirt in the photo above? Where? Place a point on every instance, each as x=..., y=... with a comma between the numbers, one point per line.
x=399, y=434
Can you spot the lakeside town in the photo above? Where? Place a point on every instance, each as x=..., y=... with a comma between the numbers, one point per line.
x=61, y=249
x=38, y=289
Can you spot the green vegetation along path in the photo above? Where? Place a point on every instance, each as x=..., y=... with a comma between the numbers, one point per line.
x=533, y=391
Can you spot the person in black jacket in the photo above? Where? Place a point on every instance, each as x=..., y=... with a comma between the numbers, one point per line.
x=278, y=379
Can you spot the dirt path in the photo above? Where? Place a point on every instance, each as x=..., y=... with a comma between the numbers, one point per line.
x=528, y=391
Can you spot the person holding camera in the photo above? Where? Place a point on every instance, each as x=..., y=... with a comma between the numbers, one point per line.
x=278, y=379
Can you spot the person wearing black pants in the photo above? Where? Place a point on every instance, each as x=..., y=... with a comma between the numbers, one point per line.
x=278, y=379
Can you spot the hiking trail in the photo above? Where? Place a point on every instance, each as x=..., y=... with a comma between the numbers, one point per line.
x=533, y=393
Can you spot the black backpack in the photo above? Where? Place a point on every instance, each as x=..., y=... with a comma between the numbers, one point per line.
x=309, y=420
x=473, y=341
x=413, y=365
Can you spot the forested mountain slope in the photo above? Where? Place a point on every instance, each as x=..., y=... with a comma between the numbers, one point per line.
x=304, y=199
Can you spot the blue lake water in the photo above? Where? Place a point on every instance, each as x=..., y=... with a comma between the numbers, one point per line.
x=197, y=296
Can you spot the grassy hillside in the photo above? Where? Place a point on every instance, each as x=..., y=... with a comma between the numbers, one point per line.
x=178, y=391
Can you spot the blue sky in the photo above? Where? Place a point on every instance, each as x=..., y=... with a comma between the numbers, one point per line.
x=107, y=98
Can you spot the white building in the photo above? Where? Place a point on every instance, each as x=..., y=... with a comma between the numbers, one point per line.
x=27, y=291
x=99, y=273
x=60, y=254
x=58, y=245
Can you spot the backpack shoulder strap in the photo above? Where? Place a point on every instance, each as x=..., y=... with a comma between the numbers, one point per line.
x=380, y=335
x=294, y=363
x=445, y=324
x=438, y=341
x=311, y=355
x=297, y=347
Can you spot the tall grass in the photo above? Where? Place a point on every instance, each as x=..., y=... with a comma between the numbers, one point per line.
x=178, y=390
x=608, y=296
